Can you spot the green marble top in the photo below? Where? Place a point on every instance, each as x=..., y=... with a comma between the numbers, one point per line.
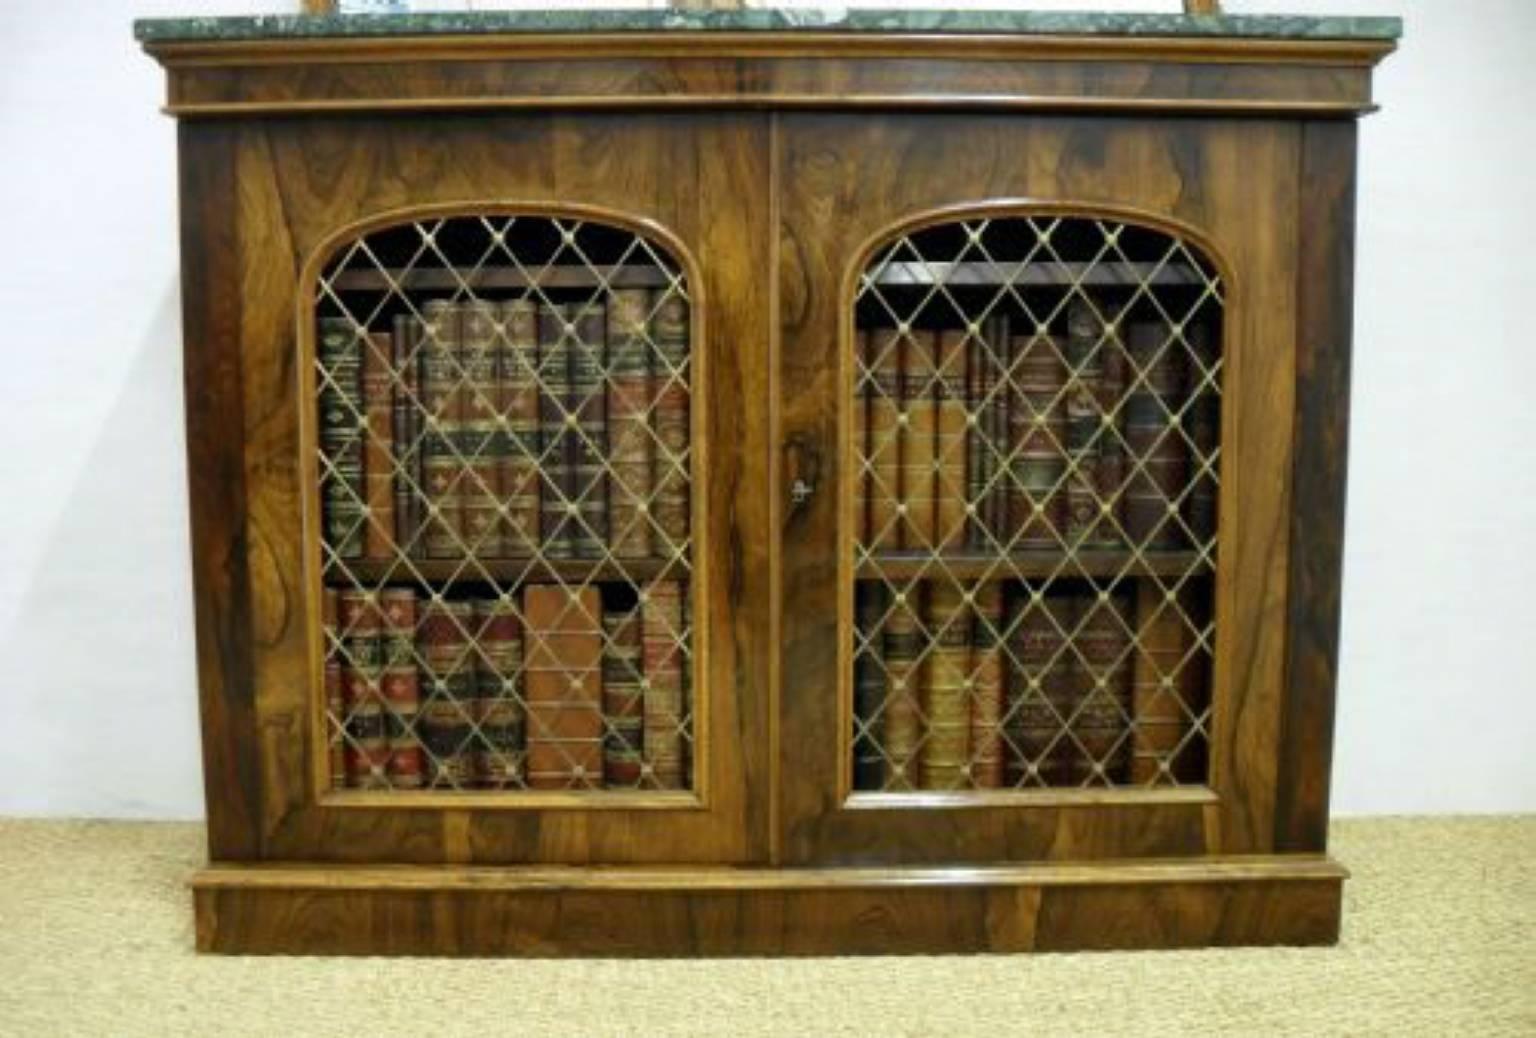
x=870, y=20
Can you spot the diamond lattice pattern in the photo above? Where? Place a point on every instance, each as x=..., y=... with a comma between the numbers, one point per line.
x=504, y=468
x=1036, y=435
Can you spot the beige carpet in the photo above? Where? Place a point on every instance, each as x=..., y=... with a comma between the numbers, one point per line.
x=1439, y=939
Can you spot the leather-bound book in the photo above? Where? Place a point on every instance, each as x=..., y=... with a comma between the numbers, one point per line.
x=517, y=448
x=443, y=418
x=589, y=403
x=863, y=401
x=663, y=620
x=1036, y=501
x=1109, y=484
x=379, y=445
x=1158, y=452
x=885, y=434
x=557, y=435
x=994, y=425
x=1040, y=686
x=562, y=649
x=339, y=351
x=1203, y=423
x=405, y=358
x=1162, y=671
x=919, y=419
x=1085, y=364
x=335, y=697
x=988, y=761
x=952, y=501
x=445, y=720
x=401, y=688
x=479, y=507
x=868, y=686
x=499, y=715
x=630, y=440
x=362, y=628
x=1104, y=669
x=670, y=380
x=623, y=698
x=904, y=682
x=945, y=754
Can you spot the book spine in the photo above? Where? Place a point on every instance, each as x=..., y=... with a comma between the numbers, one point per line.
x=663, y=633
x=563, y=677
x=994, y=427
x=1109, y=395
x=1104, y=687
x=670, y=391
x=517, y=453
x=946, y=701
x=401, y=688
x=904, y=679
x=444, y=720
x=1158, y=453
x=868, y=686
x=980, y=452
x=335, y=697
x=589, y=403
x=379, y=446
x=988, y=761
x=952, y=503
x=1203, y=423
x=367, y=758
x=1084, y=423
x=623, y=699
x=342, y=419
x=406, y=428
x=863, y=404
x=497, y=760
x=630, y=439
x=1036, y=500
x=1162, y=642
x=919, y=418
x=557, y=488
x=1040, y=687
x=885, y=434
x=442, y=401
x=479, y=508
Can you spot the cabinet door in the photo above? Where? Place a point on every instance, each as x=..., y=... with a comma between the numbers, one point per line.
x=473, y=402
x=1036, y=388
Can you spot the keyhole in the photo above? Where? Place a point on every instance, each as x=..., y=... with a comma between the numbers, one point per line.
x=800, y=491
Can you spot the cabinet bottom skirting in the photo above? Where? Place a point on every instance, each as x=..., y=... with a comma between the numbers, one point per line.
x=651, y=911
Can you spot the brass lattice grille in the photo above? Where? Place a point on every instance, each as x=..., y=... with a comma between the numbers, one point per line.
x=504, y=464
x=1036, y=439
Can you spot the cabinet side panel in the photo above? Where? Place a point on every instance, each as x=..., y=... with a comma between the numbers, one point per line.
x=1324, y=305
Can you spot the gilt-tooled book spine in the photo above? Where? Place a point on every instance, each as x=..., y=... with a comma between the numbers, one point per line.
x=1036, y=441
x=1163, y=643
x=1158, y=453
x=1110, y=393
x=946, y=693
x=904, y=681
x=663, y=632
x=670, y=381
x=919, y=419
x=563, y=648
x=1104, y=688
x=444, y=719
x=339, y=352
x=497, y=758
x=623, y=698
x=478, y=497
x=980, y=447
x=557, y=506
x=517, y=444
x=441, y=372
x=868, y=686
x=367, y=758
x=885, y=435
x=401, y=688
x=589, y=402
x=863, y=403
x=1040, y=687
x=1085, y=424
x=630, y=442
x=952, y=503
x=335, y=699
x=994, y=427
x=988, y=761
x=379, y=445
x=406, y=429
x=1203, y=422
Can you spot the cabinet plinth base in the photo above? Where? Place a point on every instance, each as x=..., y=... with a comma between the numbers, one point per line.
x=641, y=911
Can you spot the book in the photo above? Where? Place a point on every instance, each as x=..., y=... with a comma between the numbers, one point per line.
x=918, y=421
x=982, y=437
x=1163, y=668
x=517, y=445
x=1040, y=686
x=988, y=760
x=623, y=698
x=670, y=412
x=953, y=505
x=335, y=701
x=441, y=418
x=902, y=728
x=994, y=425
x=1202, y=420
x=1102, y=697
x=563, y=647
x=400, y=688
x=478, y=498
x=1109, y=394
x=868, y=686
x=367, y=756
x=557, y=436
x=1158, y=452
x=406, y=431
x=884, y=452
x=863, y=402
x=339, y=354
x=379, y=445
x=664, y=631
x=444, y=721
x=499, y=714
x=630, y=439
x=589, y=405
x=1091, y=458
x=946, y=701
x=1036, y=501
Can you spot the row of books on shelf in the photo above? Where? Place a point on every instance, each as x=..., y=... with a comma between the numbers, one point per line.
x=508, y=429
x=1004, y=685
x=1102, y=436
x=546, y=689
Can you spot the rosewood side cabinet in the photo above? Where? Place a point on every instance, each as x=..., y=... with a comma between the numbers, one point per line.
x=766, y=482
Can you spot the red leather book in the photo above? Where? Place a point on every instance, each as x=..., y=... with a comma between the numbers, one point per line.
x=362, y=626
x=517, y=446
x=563, y=648
x=670, y=381
x=401, y=688
x=663, y=618
x=444, y=721
x=498, y=756
x=379, y=445
x=442, y=419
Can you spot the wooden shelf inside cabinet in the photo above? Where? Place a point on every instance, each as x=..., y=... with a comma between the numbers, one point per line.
x=513, y=570
x=1037, y=274
x=373, y=279
x=1098, y=562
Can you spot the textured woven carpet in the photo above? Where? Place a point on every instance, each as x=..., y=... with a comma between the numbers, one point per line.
x=1439, y=939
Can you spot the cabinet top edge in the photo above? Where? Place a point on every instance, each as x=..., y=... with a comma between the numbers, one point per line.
x=246, y=28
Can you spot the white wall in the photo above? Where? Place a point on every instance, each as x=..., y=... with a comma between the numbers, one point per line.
x=1438, y=677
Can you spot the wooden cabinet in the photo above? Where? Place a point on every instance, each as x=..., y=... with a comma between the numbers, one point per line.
x=667, y=492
